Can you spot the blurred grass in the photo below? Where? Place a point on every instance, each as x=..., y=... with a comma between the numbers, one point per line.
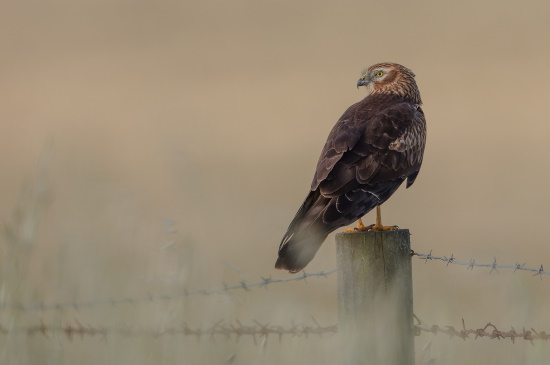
x=78, y=275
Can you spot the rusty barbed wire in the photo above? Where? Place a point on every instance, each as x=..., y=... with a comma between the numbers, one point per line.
x=489, y=330
x=228, y=331
x=471, y=264
x=238, y=330
x=159, y=297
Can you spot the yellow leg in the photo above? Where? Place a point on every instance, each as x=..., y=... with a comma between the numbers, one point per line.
x=378, y=226
x=373, y=227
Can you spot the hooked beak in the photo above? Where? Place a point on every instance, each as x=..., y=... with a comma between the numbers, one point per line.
x=362, y=82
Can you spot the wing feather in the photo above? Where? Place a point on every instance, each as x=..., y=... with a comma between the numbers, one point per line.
x=370, y=145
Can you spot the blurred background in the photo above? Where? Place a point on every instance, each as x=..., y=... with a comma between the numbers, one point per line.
x=154, y=146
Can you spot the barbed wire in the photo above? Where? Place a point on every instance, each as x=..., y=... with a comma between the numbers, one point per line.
x=489, y=331
x=263, y=330
x=243, y=285
x=159, y=297
x=471, y=264
x=228, y=331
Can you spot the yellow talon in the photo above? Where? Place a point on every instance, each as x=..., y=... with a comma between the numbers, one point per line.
x=373, y=227
x=360, y=227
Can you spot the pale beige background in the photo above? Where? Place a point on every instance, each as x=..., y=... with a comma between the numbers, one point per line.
x=212, y=114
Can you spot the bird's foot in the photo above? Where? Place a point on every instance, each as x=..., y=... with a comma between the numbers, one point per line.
x=360, y=228
x=378, y=227
x=372, y=228
x=381, y=228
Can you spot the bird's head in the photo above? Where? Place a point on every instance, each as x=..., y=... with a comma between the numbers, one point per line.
x=391, y=79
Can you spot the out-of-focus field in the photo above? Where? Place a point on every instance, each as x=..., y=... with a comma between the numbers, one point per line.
x=151, y=147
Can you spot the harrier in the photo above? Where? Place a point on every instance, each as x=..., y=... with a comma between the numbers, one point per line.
x=374, y=147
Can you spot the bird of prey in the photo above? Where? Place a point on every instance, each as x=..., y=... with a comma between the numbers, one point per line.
x=375, y=146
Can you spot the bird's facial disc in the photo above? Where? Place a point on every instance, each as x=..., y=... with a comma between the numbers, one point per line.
x=372, y=76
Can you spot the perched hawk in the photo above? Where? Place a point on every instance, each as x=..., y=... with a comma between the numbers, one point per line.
x=376, y=145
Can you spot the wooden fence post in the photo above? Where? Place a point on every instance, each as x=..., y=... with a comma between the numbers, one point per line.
x=375, y=302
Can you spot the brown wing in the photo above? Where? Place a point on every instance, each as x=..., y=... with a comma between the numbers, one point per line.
x=368, y=147
x=342, y=138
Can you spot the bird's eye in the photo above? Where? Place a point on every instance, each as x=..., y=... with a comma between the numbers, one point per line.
x=380, y=74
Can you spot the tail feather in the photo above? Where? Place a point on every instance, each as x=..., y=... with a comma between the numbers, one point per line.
x=305, y=234
x=298, y=251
